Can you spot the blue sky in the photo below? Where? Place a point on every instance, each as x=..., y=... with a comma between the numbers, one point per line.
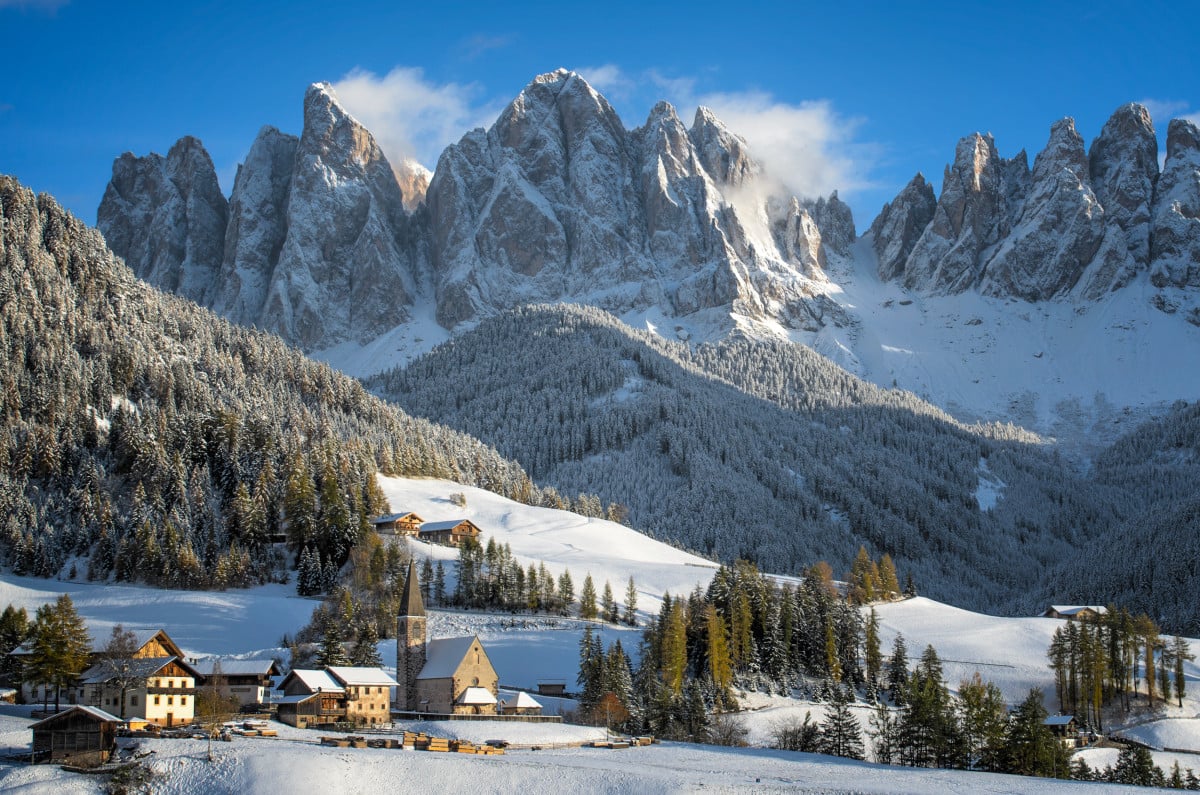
x=856, y=96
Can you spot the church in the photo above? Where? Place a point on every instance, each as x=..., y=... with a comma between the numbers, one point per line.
x=444, y=676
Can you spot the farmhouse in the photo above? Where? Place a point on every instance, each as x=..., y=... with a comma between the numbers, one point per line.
x=1064, y=728
x=249, y=680
x=444, y=676
x=452, y=532
x=1072, y=612
x=398, y=524
x=82, y=736
x=162, y=690
x=338, y=694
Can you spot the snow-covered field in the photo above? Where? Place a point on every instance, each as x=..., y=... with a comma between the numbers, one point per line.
x=294, y=763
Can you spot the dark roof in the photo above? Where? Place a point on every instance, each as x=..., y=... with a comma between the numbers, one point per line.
x=1058, y=720
x=411, y=603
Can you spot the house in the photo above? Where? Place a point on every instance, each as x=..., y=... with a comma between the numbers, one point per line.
x=161, y=690
x=520, y=704
x=81, y=736
x=451, y=533
x=337, y=694
x=249, y=680
x=398, y=524
x=1072, y=612
x=368, y=694
x=444, y=676
x=1064, y=728
x=154, y=643
x=310, y=698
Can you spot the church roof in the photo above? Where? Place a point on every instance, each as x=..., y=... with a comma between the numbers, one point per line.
x=444, y=655
x=410, y=601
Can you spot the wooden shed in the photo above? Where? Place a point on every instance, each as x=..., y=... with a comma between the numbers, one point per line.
x=82, y=736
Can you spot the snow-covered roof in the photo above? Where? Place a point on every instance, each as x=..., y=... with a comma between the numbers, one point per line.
x=95, y=712
x=443, y=656
x=293, y=699
x=449, y=524
x=1058, y=720
x=523, y=701
x=392, y=517
x=475, y=695
x=139, y=667
x=261, y=667
x=317, y=680
x=353, y=675
x=1072, y=610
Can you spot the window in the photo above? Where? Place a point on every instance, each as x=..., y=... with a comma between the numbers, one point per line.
x=170, y=700
x=156, y=700
x=133, y=700
x=183, y=701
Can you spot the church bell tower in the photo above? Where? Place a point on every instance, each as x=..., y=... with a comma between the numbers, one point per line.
x=410, y=641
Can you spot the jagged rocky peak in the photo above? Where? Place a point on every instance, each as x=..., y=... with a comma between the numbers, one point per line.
x=836, y=222
x=343, y=271
x=723, y=154
x=1060, y=227
x=971, y=216
x=800, y=241
x=1175, y=238
x=166, y=217
x=257, y=225
x=1123, y=161
x=900, y=224
x=414, y=182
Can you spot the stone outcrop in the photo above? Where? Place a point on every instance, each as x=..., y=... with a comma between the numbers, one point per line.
x=166, y=217
x=899, y=224
x=1175, y=235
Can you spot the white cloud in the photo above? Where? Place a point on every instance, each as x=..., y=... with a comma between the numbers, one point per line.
x=808, y=147
x=411, y=116
x=1163, y=110
x=610, y=80
x=49, y=6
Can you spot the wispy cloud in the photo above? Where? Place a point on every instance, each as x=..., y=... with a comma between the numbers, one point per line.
x=47, y=6
x=412, y=116
x=610, y=80
x=1163, y=110
x=475, y=46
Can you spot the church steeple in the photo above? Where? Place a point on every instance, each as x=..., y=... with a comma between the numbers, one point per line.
x=410, y=640
x=411, y=603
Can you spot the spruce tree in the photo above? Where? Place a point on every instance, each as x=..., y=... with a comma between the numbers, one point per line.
x=897, y=673
x=609, y=604
x=365, y=651
x=841, y=734
x=587, y=600
x=631, y=601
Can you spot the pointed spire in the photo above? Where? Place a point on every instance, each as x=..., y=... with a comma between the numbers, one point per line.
x=410, y=600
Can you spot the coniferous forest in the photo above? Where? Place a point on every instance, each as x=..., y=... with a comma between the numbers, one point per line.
x=147, y=439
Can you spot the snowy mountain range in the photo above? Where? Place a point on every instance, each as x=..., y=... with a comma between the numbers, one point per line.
x=984, y=300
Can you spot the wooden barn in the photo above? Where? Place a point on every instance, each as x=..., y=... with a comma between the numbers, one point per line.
x=451, y=533
x=398, y=524
x=81, y=736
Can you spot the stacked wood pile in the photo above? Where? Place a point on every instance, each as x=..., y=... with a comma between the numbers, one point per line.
x=413, y=740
